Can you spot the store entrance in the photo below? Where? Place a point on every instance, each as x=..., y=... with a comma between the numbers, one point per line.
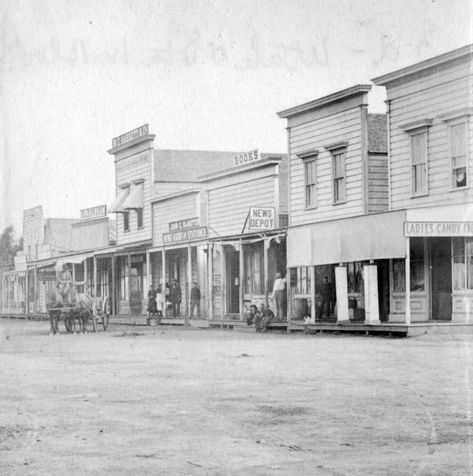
x=233, y=282
x=441, y=279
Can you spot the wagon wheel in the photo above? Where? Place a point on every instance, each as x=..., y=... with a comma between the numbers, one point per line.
x=106, y=313
x=69, y=322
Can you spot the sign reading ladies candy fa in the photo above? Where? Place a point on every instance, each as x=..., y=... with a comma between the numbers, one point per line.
x=246, y=157
x=261, y=218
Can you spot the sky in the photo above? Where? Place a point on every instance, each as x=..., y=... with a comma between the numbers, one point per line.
x=204, y=74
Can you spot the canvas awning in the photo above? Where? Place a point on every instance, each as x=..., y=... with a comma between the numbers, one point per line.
x=368, y=237
x=75, y=259
x=116, y=206
x=134, y=199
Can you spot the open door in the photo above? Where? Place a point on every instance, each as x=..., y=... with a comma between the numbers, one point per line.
x=441, y=279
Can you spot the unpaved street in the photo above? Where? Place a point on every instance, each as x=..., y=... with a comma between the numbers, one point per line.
x=139, y=401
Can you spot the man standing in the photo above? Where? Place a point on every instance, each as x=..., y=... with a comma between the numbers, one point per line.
x=326, y=298
x=195, y=299
x=175, y=298
x=278, y=295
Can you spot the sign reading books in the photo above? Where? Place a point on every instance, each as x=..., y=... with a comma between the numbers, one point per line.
x=246, y=157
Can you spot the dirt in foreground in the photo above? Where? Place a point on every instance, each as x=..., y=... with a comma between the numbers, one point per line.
x=172, y=401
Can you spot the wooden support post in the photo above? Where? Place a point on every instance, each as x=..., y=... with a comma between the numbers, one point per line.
x=312, y=293
x=163, y=286
x=241, y=290
x=114, y=296
x=408, y=283
x=223, y=281
x=189, y=286
x=210, y=276
x=128, y=278
x=95, y=278
x=26, y=293
x=35, y=290
x=266, y=245
x=148, y=272
x=86, y=272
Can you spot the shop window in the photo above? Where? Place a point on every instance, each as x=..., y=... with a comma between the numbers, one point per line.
x=339, y=159
x=126, y=221
x=123, y=276
x=355, y=277
x=419, y=163
x=462, y=251
x=399, y=275
x=254, y=270
x=458, y=154
x=303, y=280
x=309, y=175
x=417, y=264
x=79, y=272
x=139, y=217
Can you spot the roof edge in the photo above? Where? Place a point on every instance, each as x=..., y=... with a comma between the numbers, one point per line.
x=325, y=100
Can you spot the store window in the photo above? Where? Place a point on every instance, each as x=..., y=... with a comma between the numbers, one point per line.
x=419, y=163
x=303, y=280
x=254, y=269
x=355, y=277
x=462, y=250
x=399, y=275
x=417, y=264
x=123, y=278
x=458, y=154
x=79, y=272
x=339, y=158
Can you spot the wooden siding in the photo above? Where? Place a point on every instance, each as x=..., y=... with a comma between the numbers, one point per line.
x=161, y=189
x=377, y=182
x=427, y=98
x=174, y=209
x=343, y=126
x=230, y=198
x=126, y=170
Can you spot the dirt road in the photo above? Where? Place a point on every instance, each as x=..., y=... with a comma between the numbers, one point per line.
x=178, y=402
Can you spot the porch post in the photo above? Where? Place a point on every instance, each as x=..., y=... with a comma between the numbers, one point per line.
x=35, y=293
x=223, y=281
x=148, y=272
x=189, y=286
x=95, y=277
x=163, y=285
x=408, y=283
x=26, y=293
x=242, y=274
x=114, y=296
x=341, y=283
x=129, y=284
x=266, y=246
x=370, y=276
x=312, y=292
x=210, y=279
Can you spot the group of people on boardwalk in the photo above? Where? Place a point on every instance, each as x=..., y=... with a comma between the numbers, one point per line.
x=172, y=299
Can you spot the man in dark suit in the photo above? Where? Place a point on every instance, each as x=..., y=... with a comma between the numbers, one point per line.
x=176, y=296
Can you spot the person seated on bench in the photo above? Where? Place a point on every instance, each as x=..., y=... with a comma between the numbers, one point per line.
x=255, y=318
x=267, y=316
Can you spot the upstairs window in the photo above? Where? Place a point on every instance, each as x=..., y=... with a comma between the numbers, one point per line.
x=458, y=154
x=139, y=217
x=339, y=179
x=419, y=163
x=126, y=221
x=309, y=173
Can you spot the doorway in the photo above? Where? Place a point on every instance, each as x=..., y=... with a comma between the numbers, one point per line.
x=441, y=279
x=233, y=281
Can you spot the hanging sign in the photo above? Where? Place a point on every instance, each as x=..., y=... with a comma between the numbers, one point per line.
x=433, y=228
x=261, y=218
x=184, y=224
x=246, y=157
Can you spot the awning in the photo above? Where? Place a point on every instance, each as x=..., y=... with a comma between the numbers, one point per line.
x=116, y=206
x=369, y=237
x=135, y=199
x=75, y=259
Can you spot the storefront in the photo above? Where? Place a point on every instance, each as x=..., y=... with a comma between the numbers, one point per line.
x=13, y=298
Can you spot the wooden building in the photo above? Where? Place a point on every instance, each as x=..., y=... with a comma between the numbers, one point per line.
x=430, y=165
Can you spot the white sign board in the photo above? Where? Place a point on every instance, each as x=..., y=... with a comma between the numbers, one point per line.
x=99, y=211
x=246, y=158
x=261, y=218
x=433, y=228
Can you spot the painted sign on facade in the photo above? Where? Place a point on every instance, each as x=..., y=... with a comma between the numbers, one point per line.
x=33, y=231
x=413, y=229
x=261, y=218
x=185, y=235
x=130, y=136
x=246, y=157
x=184, y=224
x=99, y=211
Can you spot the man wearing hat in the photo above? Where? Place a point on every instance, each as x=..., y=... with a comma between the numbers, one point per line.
x=195, y=299
x=176, y=296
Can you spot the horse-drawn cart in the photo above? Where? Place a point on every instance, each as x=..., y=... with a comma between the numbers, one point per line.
x=76, y=317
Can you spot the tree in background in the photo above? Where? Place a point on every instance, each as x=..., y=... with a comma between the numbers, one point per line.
x=8, y=246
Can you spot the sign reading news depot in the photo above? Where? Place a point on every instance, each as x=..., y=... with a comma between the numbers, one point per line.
x=130, y=136
x=184, y=230
x=432, y=228
x=246, y=158
x=99, y=211
x=262, y=218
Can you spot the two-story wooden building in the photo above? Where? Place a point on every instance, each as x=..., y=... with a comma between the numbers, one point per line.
x=430, y=177
x=340, y=239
